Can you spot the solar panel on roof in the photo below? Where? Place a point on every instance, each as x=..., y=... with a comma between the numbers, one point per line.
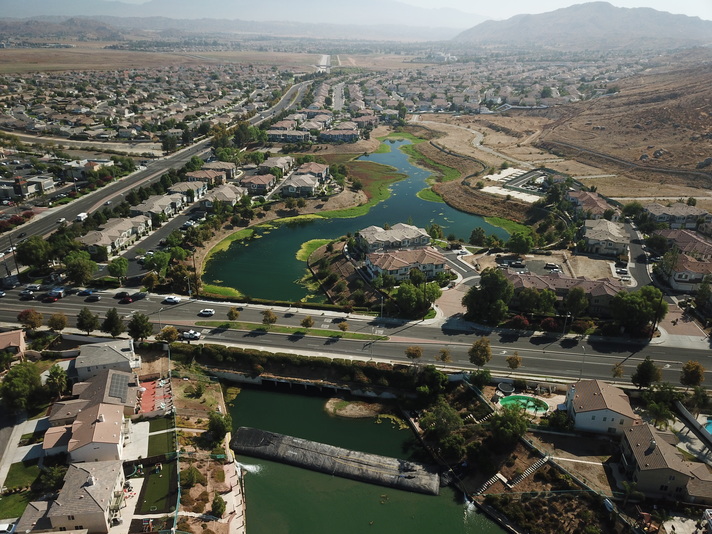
x=119, y=386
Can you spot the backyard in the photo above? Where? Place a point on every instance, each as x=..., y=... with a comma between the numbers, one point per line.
x=159, y=493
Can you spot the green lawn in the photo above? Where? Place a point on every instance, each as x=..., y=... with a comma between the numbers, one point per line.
x=162, y=423
x=161, y=443
x=509, y=226
x=159, y=493
x=22, y=474
x=13, y=505
x=429, y=195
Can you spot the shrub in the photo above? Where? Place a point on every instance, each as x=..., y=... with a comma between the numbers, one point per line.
x=190, y=477
x=581, y=326
x=519, y=322
x=550, y=324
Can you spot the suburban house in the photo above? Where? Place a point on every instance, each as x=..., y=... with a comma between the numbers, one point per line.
x=287, y=136
x=400, y=235
x=595, y=406
x=284, y=163
x=210, y=177
x=92, y=495
x=688, y=273
x=225, y=167
x=591, y=205
x=194, y=190
x=690, y=243
x=678, y=215
x=116, y=234
x=600, y=292
x=605, y=238
x=166, y=205
x=651, y=460
x=97, y=357
x=259, y=184
x=97, y=434
x=300, y=185
x=320, y=170
x=339, y=136
x=13, y=341
x=229, y=194
x=398, y=263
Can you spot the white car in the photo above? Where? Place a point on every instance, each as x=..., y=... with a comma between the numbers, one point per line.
x=172, y=300
x=191, y=334
x=207, y=312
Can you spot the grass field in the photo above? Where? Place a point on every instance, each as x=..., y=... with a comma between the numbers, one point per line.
x=429, y=195
x=309, y=247
x=13, y=505
x=161, y=423
x=447, y=174
x=509, y=226
x=22, y=474
x=220, y=291
x=159, y=494
x=161, y=443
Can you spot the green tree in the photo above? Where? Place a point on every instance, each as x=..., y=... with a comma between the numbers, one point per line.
x=30, y=319
x=520, y=243
x=57, y=322
x=576, y=302
x=660, y=414
x=343, y=326
x=112, y=324
x=52, y=477
x=140, y=327
x=630, y=491
x=693, y=374
x=87, y=321
x=34, y=251
x=57, y=381
x=150, y=281
x=268, y=317
x=158, y=262
x=528, y=299
x=80, y=267
x=441, y=420
x=20, y=387
x=478, y=237
x=168, y=334
x=489, y=302
x=233, y=313
x=514, y=361
x=307, y=322
x=219, y=424
x=703, y=295
x=508, y=425
x=480, y=352
x=646, y=373
x=547, y=301
x=218, y=507
x=617, y=370
x=118, y=267
x=444, y=355
x=698, y=400
x=637, y=309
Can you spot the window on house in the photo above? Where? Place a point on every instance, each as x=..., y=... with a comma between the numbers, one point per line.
x=70, y=517
x=663, y=487
x=671, y=477
x=593, y=417
x=622, y=420
x=604, y=418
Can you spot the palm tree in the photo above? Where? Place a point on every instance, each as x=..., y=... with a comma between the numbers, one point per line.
x=661, y=414
x=57, y=380
x=630, y=490
x=698, y=400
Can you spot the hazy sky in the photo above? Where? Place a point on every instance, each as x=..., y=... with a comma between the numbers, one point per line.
x=503, y=9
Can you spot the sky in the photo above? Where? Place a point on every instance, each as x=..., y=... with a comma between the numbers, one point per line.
x=504, y=9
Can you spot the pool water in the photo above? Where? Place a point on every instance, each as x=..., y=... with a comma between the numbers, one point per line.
x=530, y=404
x=708, y=426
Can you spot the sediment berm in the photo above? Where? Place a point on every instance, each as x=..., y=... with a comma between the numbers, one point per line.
x=382, y=470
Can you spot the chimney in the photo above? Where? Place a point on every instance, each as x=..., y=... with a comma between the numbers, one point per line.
x=653, y=444
x=91, y=480
x=101, y=418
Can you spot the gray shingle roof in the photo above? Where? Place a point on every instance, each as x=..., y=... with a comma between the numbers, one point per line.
x=87, y=489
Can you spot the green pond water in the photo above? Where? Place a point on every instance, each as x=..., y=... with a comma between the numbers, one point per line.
x=285, y=499
x=267, y=267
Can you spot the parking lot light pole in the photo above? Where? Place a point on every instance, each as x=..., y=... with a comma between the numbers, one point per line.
x=160, y=326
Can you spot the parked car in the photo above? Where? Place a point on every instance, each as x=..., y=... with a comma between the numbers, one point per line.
x=621, y=271
x=93, y=298
x=191, y=334
x=172, y=299
x=206, y=312
x=33, y=287
x=122, y=295
x=126, y=300
x=27, y=294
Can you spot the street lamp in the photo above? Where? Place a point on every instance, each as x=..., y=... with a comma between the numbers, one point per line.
x=160, y=326
x=190, y=293
x=583, y=361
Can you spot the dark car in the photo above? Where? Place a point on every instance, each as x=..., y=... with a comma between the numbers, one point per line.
x=22, y=234
x=93, y=298
x=126, y=300
x=85, y=292
x=51, y=298
x=122, y=295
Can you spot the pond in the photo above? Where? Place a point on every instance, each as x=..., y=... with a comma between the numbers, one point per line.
x=267, y=267
x=286, y=499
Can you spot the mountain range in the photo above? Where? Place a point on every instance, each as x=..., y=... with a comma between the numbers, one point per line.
x=594, y=26
x=364, y=12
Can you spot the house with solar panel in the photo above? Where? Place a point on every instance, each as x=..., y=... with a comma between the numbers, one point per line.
x=94, y=358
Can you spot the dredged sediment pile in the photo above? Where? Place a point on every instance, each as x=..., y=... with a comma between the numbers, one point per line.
x=382, y=470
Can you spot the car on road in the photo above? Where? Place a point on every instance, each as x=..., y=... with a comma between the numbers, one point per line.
x=191, y=334
x=10, y=250
x=126, y=300
x=85, y=292
x=33, y=287
x=61, y=220
x=93, y=298
x=2, y=293
x=122, y=295
x=206, y=312
x=172, y=299
x=27, y=294
x=462, y=252
x=50, y=298
x=22, y=234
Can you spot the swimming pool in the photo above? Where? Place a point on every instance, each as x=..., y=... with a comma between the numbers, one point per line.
x=530, y=404
x=708, y=426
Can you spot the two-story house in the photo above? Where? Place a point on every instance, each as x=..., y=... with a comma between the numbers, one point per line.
x=678, y=215
x=399, y=263
x=605, y=238
x=399, y=235
x=595, y=406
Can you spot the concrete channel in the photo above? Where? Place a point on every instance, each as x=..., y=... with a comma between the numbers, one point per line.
x=381, y=470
